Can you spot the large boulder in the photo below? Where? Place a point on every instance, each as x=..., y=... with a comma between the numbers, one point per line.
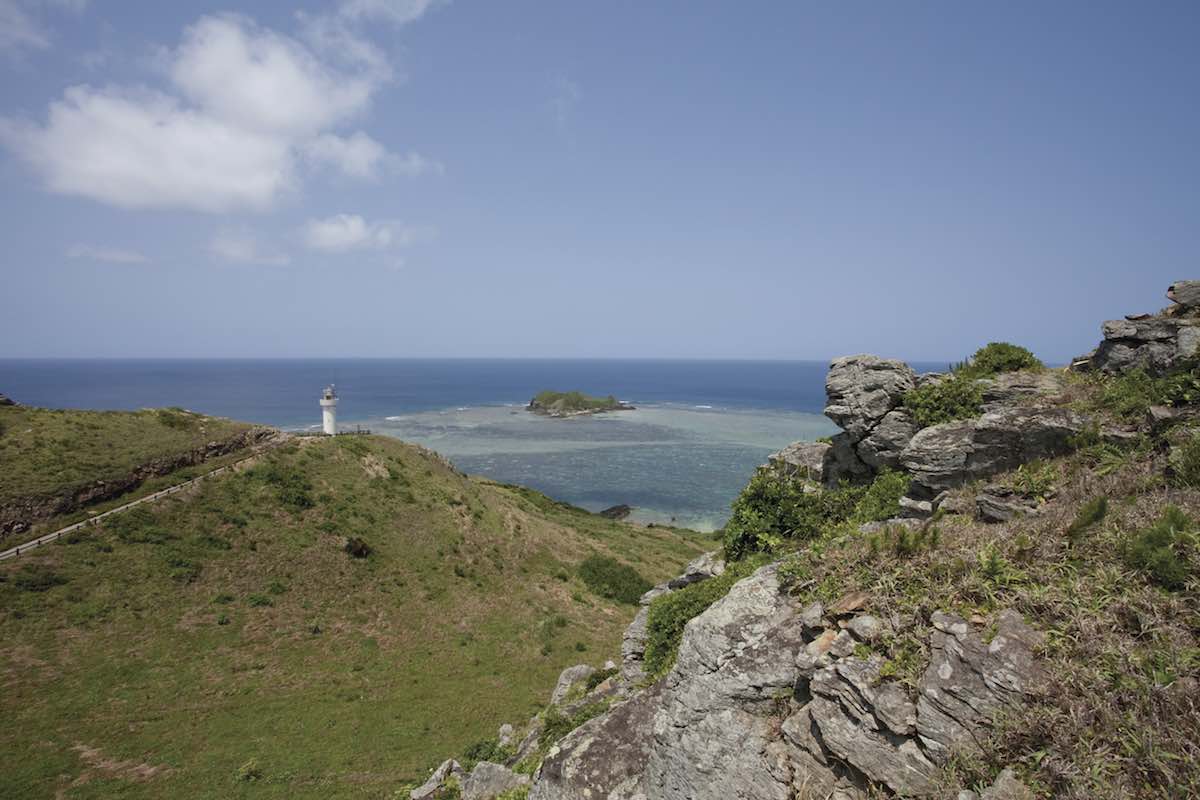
x=968, y=682
x=488, y=780
x=1185, y=293
x=804, y=460
x=948, y=455
x=713, y=727
x=430, y=789
x=567, y=679
x=881, y=447
x=860, y=390
x=1154, y=343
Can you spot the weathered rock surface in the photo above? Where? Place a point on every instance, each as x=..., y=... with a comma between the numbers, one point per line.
x=948, y=455
x=449, y=768
x=1001, y=504
x=487, y=780
x=633, y=643
x=616, y=512
x=5, y=400
x=882, y=446
x=804, y=460
x=1155, y=344
x=861, y=390
x=567, y=679
x=1185, y=293
x=968, y=682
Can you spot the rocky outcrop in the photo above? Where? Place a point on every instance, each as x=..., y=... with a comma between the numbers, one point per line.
x=770, y=700
x=949, y=455
x=616, y=512
x=5, y=400
x=430, y=789
x=568, y=680
x=1001, y=503
x=488, y=780
x=633, y=643
x=1153, y=342
x=18, y=515
x=864, y=396
x=969, y=681
x=805, y=460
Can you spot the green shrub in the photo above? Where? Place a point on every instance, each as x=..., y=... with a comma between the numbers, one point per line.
x=997, y=357
x=1165, y=549
x=598, y=677
x=291, y=485
x=515, y=793
x=882, y=498
x=37, y=578
x=259, y=600
x=486, y=750
x=1184, y=461
x=904, y=542
x=775, y=507
x=250, y=771
x=955, y=397
x=1131, y=393
x=1035, y=480
x=669, y=614
x=556, y=725
x=1088, y=515
x=176, y=418
x=611, y=579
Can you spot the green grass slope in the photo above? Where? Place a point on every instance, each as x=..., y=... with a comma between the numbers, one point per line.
x=44, y=451
x=225, y=644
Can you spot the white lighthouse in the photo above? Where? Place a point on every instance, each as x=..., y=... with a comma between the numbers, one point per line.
x=329, y=410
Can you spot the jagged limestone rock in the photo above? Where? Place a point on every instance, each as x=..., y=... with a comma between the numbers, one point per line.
x=881, y=448
x=448, y=768
x=603, y=758
x=805, y=460
x=713, y=727
x=487, y=780
x=1185, y=293
x=951, y=454
x=1155, y=344
x=860, y=390
x=567, y=679
x=1001, y=504
x=968, y=682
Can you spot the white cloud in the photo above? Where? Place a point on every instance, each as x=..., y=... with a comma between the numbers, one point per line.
x=249, y=102
x=398, y=12
x=345, y=232
x=360, y=156
x=18, y=30
x=112, y=255
x=240, y=246
x=140, y=149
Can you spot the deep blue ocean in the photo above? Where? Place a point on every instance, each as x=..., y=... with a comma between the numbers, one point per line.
x=700, y=428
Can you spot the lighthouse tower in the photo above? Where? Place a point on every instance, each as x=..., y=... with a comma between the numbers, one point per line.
x=329, y=410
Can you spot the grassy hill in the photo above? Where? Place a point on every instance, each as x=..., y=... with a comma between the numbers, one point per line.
x=226, y=644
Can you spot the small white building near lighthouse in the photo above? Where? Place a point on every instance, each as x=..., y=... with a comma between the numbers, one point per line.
x=329, y=410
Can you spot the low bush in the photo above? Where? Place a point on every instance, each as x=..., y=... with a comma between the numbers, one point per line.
x=37, y=578
x=881, y=500
x=669, y=614
x=598, y=677
x=1088, y=515
x=556, y=725
x=611, y=579
x=291, y=485
x=996, y=357
x=1035, y=480
x=775, y=507
x=357, y=548
x=1164, y=551
x=1184, y=462
x=955, y=397
x=1131, y=393
x=904, y=542
x=486, y=750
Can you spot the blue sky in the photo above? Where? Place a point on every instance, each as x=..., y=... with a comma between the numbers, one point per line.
x=674, y=179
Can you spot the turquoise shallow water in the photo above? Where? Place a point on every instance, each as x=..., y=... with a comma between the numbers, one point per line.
x=670, y=462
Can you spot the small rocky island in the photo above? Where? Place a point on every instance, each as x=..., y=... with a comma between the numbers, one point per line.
x=573, y=404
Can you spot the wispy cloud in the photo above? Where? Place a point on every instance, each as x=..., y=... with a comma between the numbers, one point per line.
x=111, y=255
x=343, y=233
x=564, y=98
x=19, y=31
x=240, y=246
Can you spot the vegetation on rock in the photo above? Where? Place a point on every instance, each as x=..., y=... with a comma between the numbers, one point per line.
x=996, y=357
x=957, y=396
x=572, y=403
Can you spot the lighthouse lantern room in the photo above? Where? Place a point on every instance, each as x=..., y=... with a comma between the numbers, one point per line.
x=329, y=410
